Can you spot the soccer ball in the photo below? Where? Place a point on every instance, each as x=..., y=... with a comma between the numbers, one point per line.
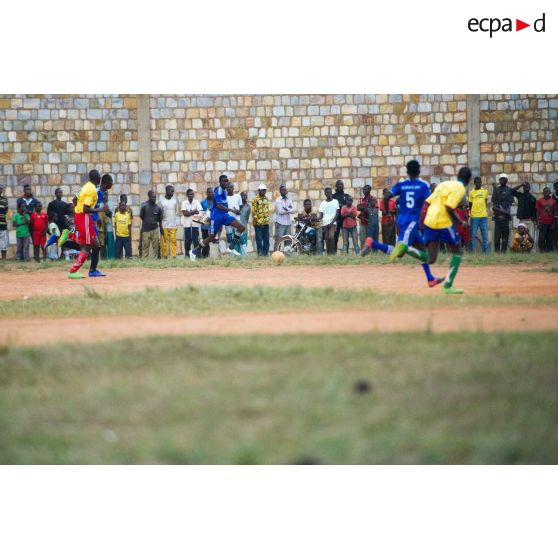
x=278, y=257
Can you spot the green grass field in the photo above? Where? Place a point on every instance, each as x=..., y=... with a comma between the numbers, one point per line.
x=190, y=300
x=467, y=398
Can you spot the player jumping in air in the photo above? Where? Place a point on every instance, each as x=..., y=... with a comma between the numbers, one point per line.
x=85, y=227
x=440, y=221
x=219, y=218
x=412, y=194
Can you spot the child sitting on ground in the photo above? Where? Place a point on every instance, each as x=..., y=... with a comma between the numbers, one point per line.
x=68, y=240
x=54, y=232
x=522, y=240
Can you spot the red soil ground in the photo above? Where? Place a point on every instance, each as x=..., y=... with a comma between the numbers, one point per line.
x=482, y=280
x=496, y=280
x=28, y=332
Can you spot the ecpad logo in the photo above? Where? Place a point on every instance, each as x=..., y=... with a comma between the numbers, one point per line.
x=494, y=24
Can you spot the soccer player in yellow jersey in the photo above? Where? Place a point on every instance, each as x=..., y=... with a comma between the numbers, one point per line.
x=439, y=224
x=85, y=226
x=440, y=221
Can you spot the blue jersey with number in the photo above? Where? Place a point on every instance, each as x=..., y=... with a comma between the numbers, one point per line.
x=219, y=197
x=100, y=199
x=412, y=195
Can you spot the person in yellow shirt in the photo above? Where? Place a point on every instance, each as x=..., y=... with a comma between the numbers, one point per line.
x=85, y=226
x=123, y=229
x=439, y=225
x=478, y=200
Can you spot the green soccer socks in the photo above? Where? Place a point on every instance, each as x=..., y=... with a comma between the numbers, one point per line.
x=420, y=255
x=452, y=271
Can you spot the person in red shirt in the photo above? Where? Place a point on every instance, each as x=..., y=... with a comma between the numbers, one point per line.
x=388, y=219
x=39, y=226
x=364, y=206
x=464, y=231
x=349, y=217
x=547, y=208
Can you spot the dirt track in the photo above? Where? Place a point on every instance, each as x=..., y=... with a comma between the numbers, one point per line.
x=496, y=280
x=485, y=280
x=44, y=331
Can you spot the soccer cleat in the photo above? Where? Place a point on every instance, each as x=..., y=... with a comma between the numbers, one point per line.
x=435, y=281
x=452, y=290
x=233, y=252
x=398, y=251
x=367, y=247
x=96, y=273
x=76, y=275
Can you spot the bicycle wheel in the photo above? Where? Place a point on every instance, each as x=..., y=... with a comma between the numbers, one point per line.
x=289, y=246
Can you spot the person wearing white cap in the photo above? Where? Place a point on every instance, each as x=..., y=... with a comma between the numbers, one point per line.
x=260, y=219
x=502, y=200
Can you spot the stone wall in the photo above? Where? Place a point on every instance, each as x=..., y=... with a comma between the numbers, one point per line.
x=304, y=141
x=519, y=137
x=48, y=140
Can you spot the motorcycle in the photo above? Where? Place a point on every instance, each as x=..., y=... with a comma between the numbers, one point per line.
x=303, y=241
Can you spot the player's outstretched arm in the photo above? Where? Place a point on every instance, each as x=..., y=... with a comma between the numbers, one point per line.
x=102, y=209
x=387, y=196
x=455, y=219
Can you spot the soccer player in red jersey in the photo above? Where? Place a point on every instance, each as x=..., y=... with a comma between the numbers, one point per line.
x=85, y=226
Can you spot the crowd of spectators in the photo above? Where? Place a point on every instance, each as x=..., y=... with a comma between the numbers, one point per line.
x=50, y=232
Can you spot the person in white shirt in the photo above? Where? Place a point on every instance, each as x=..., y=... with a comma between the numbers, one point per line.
x=234, y=202
x=330, y=211
x=190, y=208
x=169, y=204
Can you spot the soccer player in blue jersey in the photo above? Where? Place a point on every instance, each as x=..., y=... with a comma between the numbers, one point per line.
x=219, y=218
x=411, y=195
x=440, y=225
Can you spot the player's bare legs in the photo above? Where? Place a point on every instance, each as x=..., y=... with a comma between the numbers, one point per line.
x=433, y=248
x=417, y=251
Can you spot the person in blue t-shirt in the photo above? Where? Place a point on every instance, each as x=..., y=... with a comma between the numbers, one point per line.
x=411, y=195
x=220, y=218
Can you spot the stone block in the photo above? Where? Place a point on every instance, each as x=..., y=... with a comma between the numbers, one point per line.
x=31, y=103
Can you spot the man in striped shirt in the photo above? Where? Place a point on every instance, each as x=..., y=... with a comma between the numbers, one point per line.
x=283, y=211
